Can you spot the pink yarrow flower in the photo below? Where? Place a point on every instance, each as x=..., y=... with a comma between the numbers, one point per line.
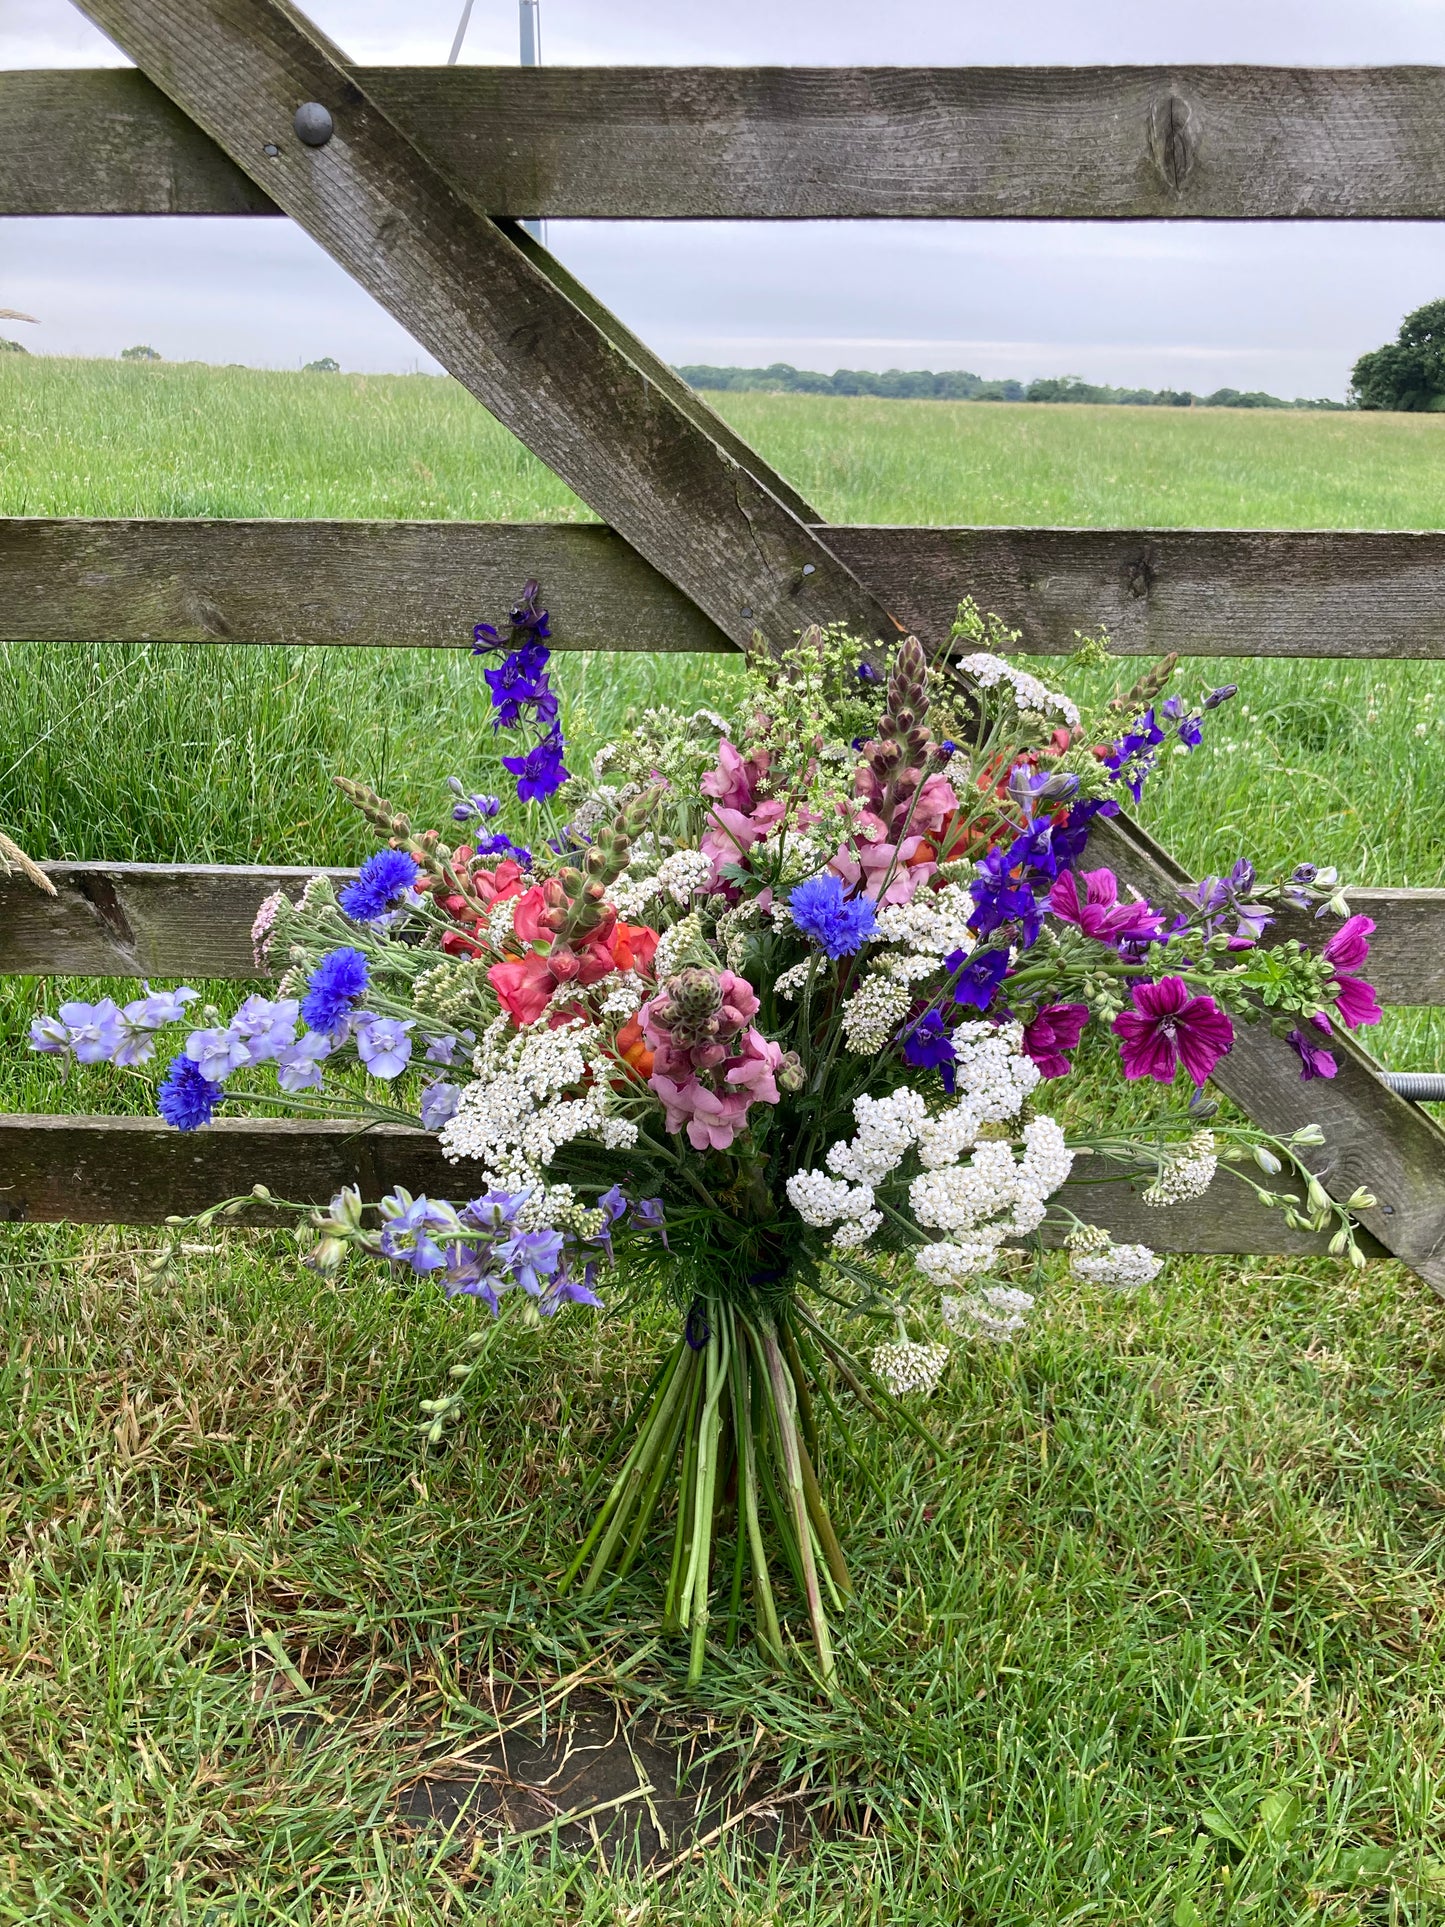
x=1347, y=951
x=1056, y=1028
x=1168, y=1027
x=1098, y=912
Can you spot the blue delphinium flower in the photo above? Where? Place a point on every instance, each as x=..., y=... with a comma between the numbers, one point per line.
x=50, y=1035
x=266, y=1026
x=216, y=1053
x=500, y=844
x=469, y=805
x=439, y=1102
x=188, y=1099
x=521, y=686
x=1002, y=895
x=298, y=1065
x=928, y=1047
x=647, y=1216
x=837, y=925
x=94, y=1029
x=407, y=1233
x=532, y=1257
x=337, y=983
x=385, y=876
x=541, y=772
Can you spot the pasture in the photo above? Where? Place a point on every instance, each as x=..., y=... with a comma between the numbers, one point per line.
x=1156, y=1638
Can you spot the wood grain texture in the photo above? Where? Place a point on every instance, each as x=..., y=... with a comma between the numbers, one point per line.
x=376, y=584
x=177, y=920
x=750, y=143
x=1372, y=1137
x=422, y=584
x=499, y=324
x=130, y=1170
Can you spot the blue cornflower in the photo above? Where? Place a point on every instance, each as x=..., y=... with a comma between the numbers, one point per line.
x=837, y=926
x=336, y=983
x=928, y=1047
x=978, y=979
x=541, y=771
x=187, y=1099
x=384, y=877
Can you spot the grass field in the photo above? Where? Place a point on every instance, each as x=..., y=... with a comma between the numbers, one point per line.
x=1156, y=1640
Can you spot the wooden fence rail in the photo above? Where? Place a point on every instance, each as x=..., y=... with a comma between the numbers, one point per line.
x=135, y=1170
x=830, y=143
x=178, y=920
x=1214, y=592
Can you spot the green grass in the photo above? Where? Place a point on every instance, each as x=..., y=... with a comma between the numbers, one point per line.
x=1181, y=1555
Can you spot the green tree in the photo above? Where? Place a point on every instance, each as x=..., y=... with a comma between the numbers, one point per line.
x=141, y=352
x=1407, y=374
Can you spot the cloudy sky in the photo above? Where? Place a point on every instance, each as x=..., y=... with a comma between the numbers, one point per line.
x=1285, y=307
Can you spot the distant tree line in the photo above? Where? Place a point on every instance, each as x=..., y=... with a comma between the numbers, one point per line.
x=957, y=384
x=1408, y=373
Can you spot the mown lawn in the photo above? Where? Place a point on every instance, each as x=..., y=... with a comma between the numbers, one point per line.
x=1155, y=1636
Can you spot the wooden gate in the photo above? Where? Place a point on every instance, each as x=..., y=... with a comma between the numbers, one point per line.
x=415, y=180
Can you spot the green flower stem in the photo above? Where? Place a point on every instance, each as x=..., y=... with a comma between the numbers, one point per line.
x=770, y=1633
x=697, y=1580
x=822, y=1524
x=663, y=1462
x=806, y=1417
x=633, y=1470
x=787, y=1438
x=687, y=1494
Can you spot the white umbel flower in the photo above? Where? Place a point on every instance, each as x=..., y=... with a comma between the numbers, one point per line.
x=906, y=1367
x=993, y=1074
x=992, y=672
x=848, y=1237
x=951, y=1262
x=1186, y=1172
x=873, y=1013
x=933, y=922
x=886, y=1128
x=820, y=1200
x=791, y=982
x=683, y=874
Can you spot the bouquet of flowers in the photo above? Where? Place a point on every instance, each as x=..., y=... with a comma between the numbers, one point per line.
x=760, y=1015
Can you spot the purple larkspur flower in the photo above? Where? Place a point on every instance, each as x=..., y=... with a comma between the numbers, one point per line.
x=520, y=687
x=216, y=1053
x=613, y=1205
x=495, y=1211
x=1000, y=896
x=978, y=977
x=443, y=1050
x=1035, y=789
x=566, y=1289
x=439, y=1102
x=927, y=1046
x=406, y=1235
x=502, y=845
x=94, y=1029
x=383, y=1044
x=647, y=1216
x=187, y=1099
x=50, y=1035
x=532, y=1257
x=298, y=1065
x=541, y=772
x=265, y=1026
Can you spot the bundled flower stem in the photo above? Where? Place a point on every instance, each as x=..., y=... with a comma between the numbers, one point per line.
x=762, y=1024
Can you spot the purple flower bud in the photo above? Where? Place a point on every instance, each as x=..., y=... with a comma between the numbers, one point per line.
x=1221, y=695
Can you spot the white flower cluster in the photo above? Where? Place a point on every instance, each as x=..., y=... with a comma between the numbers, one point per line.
x=499, y=924
x=887, y=1126
x=1185, y=1173
x=674, y=944
x=874, y=1011
x=623, y=994
x=994, y=1075
x=792, y=981
x=1096, y=1260
x=968, y=1198
x=683, y=874
x=907, y=1367
x=996, y=1315
x=934, y=922
x=516, y=1115
x=1028, y=692
x=630, y=895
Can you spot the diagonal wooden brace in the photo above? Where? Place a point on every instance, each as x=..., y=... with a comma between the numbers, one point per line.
x=570, y=390
x=1372, y=1136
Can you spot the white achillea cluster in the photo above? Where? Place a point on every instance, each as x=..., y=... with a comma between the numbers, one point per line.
x=1029, y=694
x=516, y=1115
x=683, y=873
x=499, y=924
x=934, y=922
x=630, y=895
x=820, y=1200
x=997, y=1314
x=886, y=1128
x=1186, y=1172
x=674, y=944
x=906, y=966
x=964, y=1198
x=944, y=1139
x=874, y=1011
x=791, y=982
x=950, y=1263
x=907, y=1367
x=624, y=994
x=993, y=1075
x=1123, y=1267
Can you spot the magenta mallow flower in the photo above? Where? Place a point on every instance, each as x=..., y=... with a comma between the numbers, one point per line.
x=1055, y=1029
x=1346, y=952
x=1312, y=1054
x=1098, y=911
x=1169, y=1026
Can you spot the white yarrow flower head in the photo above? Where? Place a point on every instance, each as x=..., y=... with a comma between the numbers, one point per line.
x=1121, y=1267
x=906, y=1367
x=995, y=1316
x=1186, y=1171
x=1030, y=696
x=873, y=1013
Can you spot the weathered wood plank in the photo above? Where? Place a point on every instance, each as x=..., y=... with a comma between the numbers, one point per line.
x=475, y=299
x=750, y=143
x=176, y=920
x=1217, y=592
x=1372, y=1136
x=377, y=584
x=132, y=1170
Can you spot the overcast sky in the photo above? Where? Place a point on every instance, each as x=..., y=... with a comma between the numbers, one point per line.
x=1188, y=305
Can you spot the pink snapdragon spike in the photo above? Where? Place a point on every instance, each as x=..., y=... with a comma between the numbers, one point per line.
x=739, y=818
x=1347, y=951
x=1168, y=1027
x=1098, y=912
x=709, y=1063
x=1055, y=1029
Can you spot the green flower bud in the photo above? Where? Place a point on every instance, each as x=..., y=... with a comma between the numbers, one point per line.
x=1267, y=1161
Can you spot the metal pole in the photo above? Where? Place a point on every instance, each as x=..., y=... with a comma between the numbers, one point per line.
x=530, y=25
